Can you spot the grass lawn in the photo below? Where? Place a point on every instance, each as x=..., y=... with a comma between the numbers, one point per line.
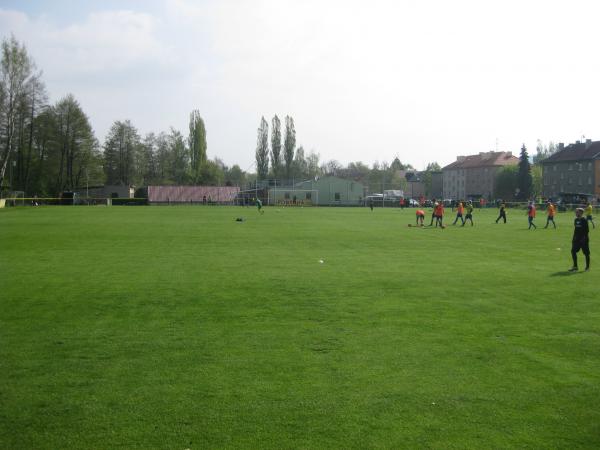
x=178, y=327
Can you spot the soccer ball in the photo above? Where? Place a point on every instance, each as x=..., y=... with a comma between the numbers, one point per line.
x=443, y=226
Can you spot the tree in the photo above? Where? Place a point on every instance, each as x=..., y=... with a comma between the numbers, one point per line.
x=262, y=150
x=300, y=166
x=396, y=164
x=544, y=151
x=180, y=158
x=235, y=176
x=506, y=182
x=120, y=148
x=34, y=102
x=537, y=180
x=147, y=165
x=332, y=167
x=75, y=146
x=16, y=70
x=357, y=171
x=289, y=145
x=276, y=146
x=312, y=165
x=426, y=176
x=211, y=173
x=197, y=144
x=524, y=180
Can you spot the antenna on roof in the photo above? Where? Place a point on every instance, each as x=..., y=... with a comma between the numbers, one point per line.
x=496, y=144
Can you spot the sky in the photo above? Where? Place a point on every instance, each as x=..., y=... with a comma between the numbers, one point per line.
x=366, y=81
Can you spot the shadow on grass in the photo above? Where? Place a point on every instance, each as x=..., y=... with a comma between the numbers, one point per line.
x=565, y=273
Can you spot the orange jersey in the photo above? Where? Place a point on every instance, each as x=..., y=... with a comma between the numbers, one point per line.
x=420, y=212
x=460, y=208
x=551, y=210
x=531, y=212
x=439, y=210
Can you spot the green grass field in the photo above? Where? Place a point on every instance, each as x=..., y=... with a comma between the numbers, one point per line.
x=180, y=328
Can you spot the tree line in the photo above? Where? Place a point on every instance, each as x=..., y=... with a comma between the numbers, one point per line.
x=46, y=149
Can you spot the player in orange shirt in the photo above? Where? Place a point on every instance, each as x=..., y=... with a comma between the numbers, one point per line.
x=531, y=215
x=420, y=217
x=439, y=214
x=551, y=210
x=459, y=213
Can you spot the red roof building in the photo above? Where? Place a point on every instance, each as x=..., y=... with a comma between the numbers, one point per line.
x=474, y=176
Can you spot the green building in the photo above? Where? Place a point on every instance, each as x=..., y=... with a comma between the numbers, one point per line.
x=326, y=191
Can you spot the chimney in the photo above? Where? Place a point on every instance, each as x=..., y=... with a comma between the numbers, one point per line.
x=561, y=146
x=577, y=142
x=588, y=143
x=461, y=158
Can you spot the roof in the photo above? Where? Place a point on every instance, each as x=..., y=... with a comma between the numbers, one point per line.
x=327, y=179
x=483, y=159
x=576, y=152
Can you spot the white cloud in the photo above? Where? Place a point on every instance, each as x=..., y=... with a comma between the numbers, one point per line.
x=364, y=81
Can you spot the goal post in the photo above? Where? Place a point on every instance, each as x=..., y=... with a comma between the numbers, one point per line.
x=293, y=197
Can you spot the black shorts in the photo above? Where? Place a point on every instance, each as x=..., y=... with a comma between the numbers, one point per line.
x=584, y=246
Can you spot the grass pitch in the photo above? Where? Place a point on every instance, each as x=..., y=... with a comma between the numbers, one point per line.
x=178, y=327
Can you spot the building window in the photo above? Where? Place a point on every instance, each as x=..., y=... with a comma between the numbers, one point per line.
x=570, y=166
x=308, y=195
x=286, y=196
x=554, y=168
x=590, y=180
x=337, y=196
x=580, y=181
x=589, y=166
x=580, y=166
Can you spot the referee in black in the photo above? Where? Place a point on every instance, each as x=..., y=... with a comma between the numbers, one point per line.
x=581, y=240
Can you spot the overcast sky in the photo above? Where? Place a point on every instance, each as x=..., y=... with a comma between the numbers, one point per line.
x=364, y=80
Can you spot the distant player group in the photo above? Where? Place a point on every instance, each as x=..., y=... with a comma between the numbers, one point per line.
x=580, y=235
x=437, y=215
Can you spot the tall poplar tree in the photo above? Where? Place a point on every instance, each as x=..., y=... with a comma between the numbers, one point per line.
x=276, y=146
x=197, y=144
x=262, y=150
x=289, y=145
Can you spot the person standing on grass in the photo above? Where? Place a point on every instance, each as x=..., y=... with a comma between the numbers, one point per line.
x=551, y=209
x=459, y=213
x=588, y=214
x=435, y=205
x=531, y=215
x=259, y=205
x=502, y=214
x=439, y=214
x=420, y=217
x=581, y=240
x=469, y=215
